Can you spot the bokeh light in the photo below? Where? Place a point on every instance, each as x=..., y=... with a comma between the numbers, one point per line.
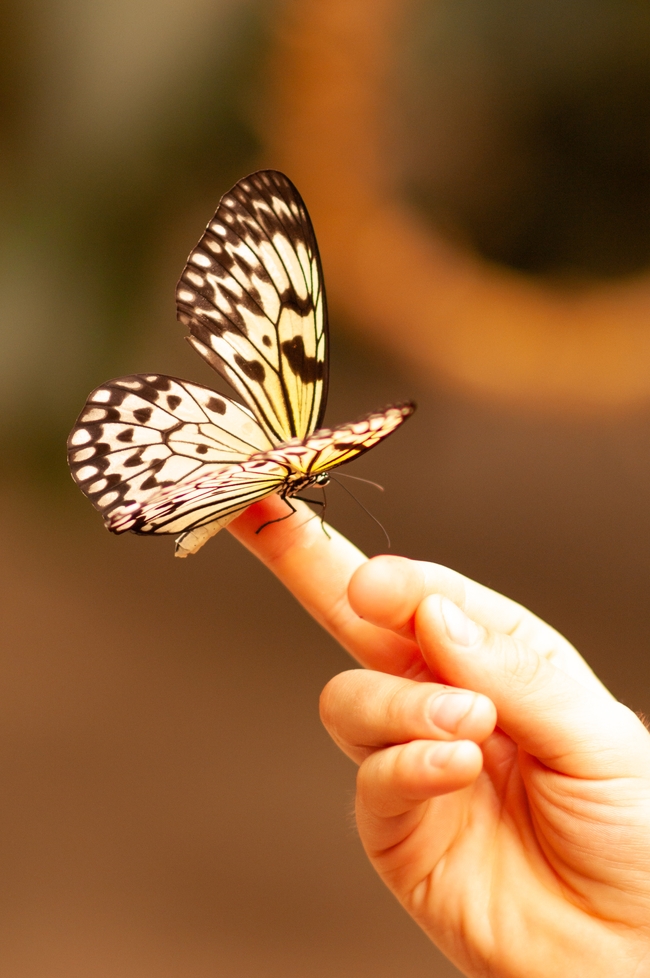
x=479, y=177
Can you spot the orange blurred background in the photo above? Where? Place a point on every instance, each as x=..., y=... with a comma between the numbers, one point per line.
x=479, y=178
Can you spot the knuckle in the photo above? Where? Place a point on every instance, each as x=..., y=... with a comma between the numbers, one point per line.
x=402, y=764
x=393, y=706
x=522, y=666
x=402, y=701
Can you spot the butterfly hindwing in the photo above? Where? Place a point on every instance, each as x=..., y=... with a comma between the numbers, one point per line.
x=252, y=296
x=217, y=496
x=139, y=434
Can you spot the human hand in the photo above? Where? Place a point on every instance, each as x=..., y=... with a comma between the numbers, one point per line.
x=526, y=855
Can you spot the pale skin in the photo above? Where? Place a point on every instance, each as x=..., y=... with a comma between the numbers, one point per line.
x=521, y=849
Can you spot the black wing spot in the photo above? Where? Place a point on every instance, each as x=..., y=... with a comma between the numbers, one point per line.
x=216, y=405
x=173, y=400
x=291, y=300
x=133, y=460
x=143, y=414
x=309, y=369
x=152, y=481
x=111, y=414
x=266, y=340
x=253, y=369
x=160, y=383
x=202, y=449
x=125, y=435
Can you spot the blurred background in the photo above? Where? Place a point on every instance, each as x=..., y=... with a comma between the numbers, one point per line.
x=479, y=178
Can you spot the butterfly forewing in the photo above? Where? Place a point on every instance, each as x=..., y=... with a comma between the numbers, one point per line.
x=139, y=434
x=253, y=299
x=330, y=447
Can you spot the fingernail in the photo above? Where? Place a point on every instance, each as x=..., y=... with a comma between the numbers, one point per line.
x=440, y=754
x=460, y=629
x=448, y=709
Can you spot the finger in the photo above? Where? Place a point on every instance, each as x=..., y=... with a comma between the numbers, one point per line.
x=394, y=782
x=387, y=590
x=573, y=729
x=364, y=711
x=316, y=566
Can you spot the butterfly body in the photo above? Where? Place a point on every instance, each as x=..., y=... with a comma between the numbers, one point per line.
x=158, y=454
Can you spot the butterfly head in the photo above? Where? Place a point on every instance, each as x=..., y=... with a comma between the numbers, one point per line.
x=299, y=481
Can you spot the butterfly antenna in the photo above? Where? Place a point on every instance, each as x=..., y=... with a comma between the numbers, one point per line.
x=359, y=503
x=357, y=478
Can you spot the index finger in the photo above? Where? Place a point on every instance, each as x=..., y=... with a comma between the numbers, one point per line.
x=316, y=564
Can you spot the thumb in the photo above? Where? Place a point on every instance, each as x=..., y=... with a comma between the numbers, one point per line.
x=574, y=729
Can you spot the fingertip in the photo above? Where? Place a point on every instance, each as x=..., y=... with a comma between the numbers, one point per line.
x=386, y=590
x=440, y=620
x=463, y=756
x=372, y=576
x=395, y=780
x=340, y=689
x=452, y=766
x=463, y=714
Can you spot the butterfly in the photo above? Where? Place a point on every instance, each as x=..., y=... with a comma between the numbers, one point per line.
x=156, y=454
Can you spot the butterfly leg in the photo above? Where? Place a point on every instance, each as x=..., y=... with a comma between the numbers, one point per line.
x=280, y=518
x=317, y=502
x=322, y=514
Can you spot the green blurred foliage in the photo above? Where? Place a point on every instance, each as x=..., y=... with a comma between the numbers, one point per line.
x=521, y=128
x=117, y=120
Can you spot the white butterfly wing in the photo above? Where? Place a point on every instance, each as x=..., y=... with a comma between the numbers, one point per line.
x=252, y=296
x=201, y=505
x=139, y=434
